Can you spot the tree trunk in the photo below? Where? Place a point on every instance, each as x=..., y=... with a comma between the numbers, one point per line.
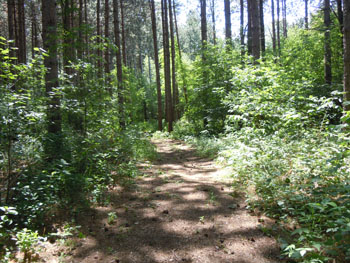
x=106, y=55
x=156, y=62
x=327, y=44
x=67, y=37
x=87, y=46
x=204, y=31
x=307, y=14
x=242, y=28
x=262, y=27
x=255, y=29
x=54, y=144
x=249, y=16
x=119, y=63
x=11, y=24
x=34, y=28
x=278, y=28
x=346, y=55
x=99, y=52
x=341, y=21
x=22, y=50
x=284, y=14
x=123, y=31
x=80, y=33
x=212, y=7
x=228, y=32
x=168, y=96
x=173, y=63
x=273, y=26
x=184, y=81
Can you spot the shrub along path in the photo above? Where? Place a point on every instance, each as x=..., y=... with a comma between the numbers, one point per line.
x=180, y=210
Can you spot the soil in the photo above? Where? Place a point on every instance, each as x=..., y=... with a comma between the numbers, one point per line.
x=182, y=209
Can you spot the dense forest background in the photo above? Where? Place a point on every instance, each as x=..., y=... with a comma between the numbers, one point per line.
x=85, y=83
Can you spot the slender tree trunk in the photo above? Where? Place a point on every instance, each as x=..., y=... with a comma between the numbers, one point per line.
x=346, y=55
x=284, y=14
x=173, y=63
x=123, y=31
x=255, y=29
x=80, y=33
x=67, y=37
x=249, y=16
x=11, y=25
x=341, y=21
x=86, y=22
x=99, y=52
x=34, y=29
x=156, y=62
x=167, y=68
x=307, y=14
x=22, y=49
x=273, y=26
x=327, y=44
x=228, y=32
x=262, y=27
x=204, y=30
x=184, y=80
x=242, y=28
x=278, y=28
x=54, y=144
x=213, y=20
x=119, y=63
x=106, y=55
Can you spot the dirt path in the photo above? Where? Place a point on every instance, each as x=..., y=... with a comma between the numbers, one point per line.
x=178, y=212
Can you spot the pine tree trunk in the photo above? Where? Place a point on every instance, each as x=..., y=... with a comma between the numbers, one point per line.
x=346, y=55
x=249, y=16
x=11, y=25
x=255, y=29
x=156, y=62
x=106, y=55
x=173, y=65
x=54, y=144
x=284, y=14
x=184, y=81
x=278, y=28
x=327, y=44
x=213, y=20
x=119, y=63
x=262, y=27
x=34, y=28
x=123, y=31
x=228, y=32
x=168, y=95
x=99, y=53
x=242, y=28
x=307, y=14
x=273, y=27
x=204, y=30
x=22, y=49
x=341, y=21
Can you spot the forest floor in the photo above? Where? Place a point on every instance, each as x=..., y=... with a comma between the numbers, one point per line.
x=182, y=209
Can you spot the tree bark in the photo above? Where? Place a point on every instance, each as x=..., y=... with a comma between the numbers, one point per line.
x=249, y=16
x=284, y=14
x=278, y=28
x=99, y=52
x=119, y=63
x=80, y=33
x=255, y=29
x=49, y=22
x=11, y=24
x=106, y=55
x=242, y=28
x=262, y=27
x=273, y=27
x=204, y=30
x=327, y=43
x=346, y=55
x=175, y=96
x=167, y=76
x=22, y=49
x=213, y=20
x=228, y=32
x=306, y=19
x=156, y=62
x=123, y=31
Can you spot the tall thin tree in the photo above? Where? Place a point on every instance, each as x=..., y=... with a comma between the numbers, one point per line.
x=273, y=26
x=346, y=55
x=119, y=63
x=327, y=43
x=262, y=26
x=255, y=29
x=49, y=23
x=306, y=19
x=106, y=51
x=242, y=27
x=228, y=30
x=213, y=20
x=156, y=62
